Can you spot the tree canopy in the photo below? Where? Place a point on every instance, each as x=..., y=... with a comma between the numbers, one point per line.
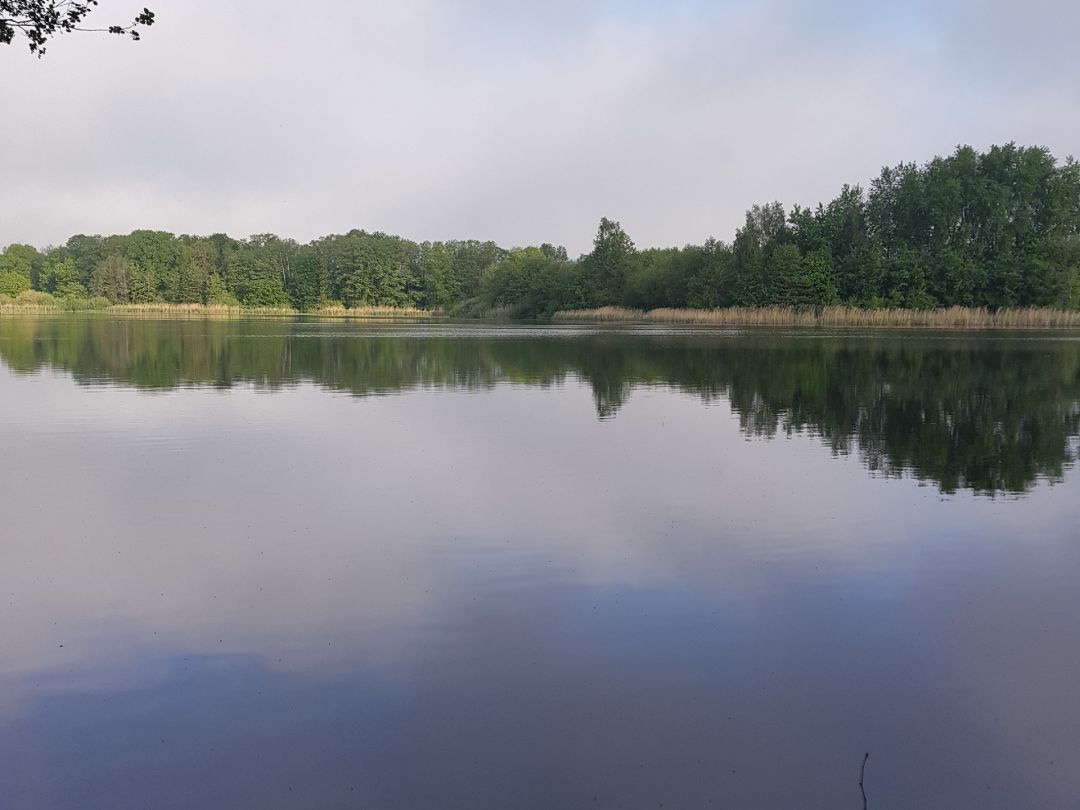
x=994, y=229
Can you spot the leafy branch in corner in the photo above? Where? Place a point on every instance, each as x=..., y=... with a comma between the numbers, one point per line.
x=40, y=20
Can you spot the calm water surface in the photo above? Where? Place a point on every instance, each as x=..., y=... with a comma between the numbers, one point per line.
x=278, y=564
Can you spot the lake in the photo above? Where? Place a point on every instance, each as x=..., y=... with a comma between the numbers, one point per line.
x=291, y=564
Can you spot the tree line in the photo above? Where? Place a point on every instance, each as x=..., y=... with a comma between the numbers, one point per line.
x=999, y=228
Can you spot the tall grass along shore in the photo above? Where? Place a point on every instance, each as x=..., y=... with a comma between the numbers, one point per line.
x=950, y=318
x=39, y=303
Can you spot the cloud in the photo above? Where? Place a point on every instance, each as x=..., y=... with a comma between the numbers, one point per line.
x=521, y=122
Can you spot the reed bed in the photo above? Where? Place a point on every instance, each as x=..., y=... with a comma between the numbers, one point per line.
x=34, y=302
x=13, y=308
x=340, y=311
x=503, y=314
x=202, y=310
x=44, y=304
x=950, y=318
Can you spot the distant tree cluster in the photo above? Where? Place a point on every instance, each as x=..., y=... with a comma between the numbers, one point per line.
x=994, y=229
x=354, y=269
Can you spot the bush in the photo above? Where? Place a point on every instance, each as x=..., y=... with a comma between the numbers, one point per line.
x=12, y=283
x=83, y=304
x=217, y=294
x=36, y=297
x=263, y=293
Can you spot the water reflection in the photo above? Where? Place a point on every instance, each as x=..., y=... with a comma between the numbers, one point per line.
x=990, y=414
x=234, y=577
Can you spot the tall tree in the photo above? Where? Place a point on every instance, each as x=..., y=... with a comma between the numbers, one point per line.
x=62, y=279
x=18, y=266
x=471, y=260
x=606, y=269
x=437, y=285
x=253, y=275
x=764, y=230
x=307, y=280
x=86, y=252
x=111, y=278
x=153, y=258
x=194, y=266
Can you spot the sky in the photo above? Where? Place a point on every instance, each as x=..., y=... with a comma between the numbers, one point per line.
x=521, y=122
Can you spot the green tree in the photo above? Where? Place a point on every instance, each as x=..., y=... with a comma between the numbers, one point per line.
x=661, y=278
x=253, y=276
x=369, y=268
x=86, y=252
x=194, y=266
x=764, y=230
x=710, y=284
x=471, y=259
x=307, y=280
x=153, y=259
x=783, y=268
x=12, y=284
x=110, y=279
x=17, y=269
x=217, y=292
x=531, y=284
x=998, y=228
x=606, y=269
x=437, y=284
x=19, y=259
x=62, y=279
x=817, y=282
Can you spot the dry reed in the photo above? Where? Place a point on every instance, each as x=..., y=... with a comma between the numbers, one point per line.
x=189, y=310
x=13, y=308
x=340, y=311
x=48, y=305
x=950, y=318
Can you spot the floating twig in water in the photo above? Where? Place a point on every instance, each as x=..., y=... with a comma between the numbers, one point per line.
x=862, y=774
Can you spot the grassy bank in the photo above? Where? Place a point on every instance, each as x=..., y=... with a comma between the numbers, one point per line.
x=45, y=304
x=37, y=303
x=951, y=318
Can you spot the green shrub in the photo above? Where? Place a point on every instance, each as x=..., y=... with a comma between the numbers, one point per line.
x=36, y=297
x=218, y=294
x=12, y=283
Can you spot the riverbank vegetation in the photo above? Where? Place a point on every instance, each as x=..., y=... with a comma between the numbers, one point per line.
x=33, y=302
x=985, y=231
x=950, y=318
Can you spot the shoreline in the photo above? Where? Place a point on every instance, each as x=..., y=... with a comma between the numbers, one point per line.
x=224, y=311
x=958, y=318
x=949, y=318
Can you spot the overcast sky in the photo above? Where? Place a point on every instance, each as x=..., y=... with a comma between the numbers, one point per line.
x=522, y=122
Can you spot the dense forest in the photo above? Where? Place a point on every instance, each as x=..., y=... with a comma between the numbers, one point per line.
x=991, y=229
x=956, y=413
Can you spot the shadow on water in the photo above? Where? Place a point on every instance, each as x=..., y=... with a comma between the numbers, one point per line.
x=988, y=414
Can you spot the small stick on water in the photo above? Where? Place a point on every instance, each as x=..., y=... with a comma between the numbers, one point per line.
x=862, y=774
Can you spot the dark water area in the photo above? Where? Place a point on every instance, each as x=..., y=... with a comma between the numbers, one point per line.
x=292, y=564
